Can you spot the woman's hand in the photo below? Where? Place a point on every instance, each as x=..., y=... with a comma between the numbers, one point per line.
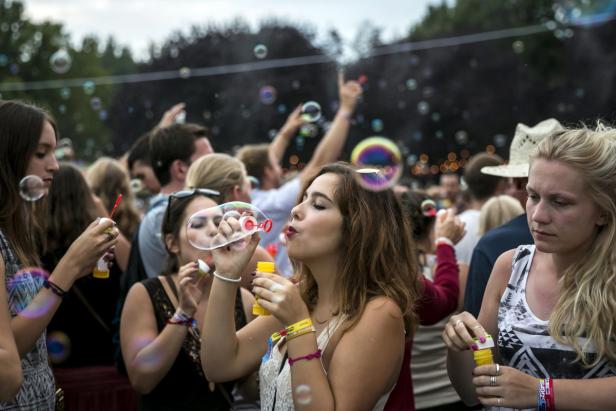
x=190, y=287
x=231, y=260
x=457, y=334
x=349, y=93
x=449, y=226
x=97, y=239
x=280, y=297
x=500, y=386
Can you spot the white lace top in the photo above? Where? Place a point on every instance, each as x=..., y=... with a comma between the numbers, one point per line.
x=276, y=393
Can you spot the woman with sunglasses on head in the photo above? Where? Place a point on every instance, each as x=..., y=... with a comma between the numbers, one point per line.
x=28, y=139
x=335, y=339
x=162, y=316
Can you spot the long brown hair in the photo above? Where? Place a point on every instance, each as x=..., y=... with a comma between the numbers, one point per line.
x=21, y=126
x=70, y=208
x=378, y=252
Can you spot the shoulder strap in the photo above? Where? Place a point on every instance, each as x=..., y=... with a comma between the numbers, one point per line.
x=90, y=308
x=171, y=290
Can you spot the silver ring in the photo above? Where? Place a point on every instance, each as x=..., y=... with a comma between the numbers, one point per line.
x=276, y=287
x=457, y=323
x=492, y=381
x=477, y=327
x=497, y=369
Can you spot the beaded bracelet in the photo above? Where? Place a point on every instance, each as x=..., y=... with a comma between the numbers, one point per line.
x=316, y=354
x=55, y=288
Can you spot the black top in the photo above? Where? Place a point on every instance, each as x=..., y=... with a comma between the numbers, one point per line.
x=89, y=336
x=185, y=386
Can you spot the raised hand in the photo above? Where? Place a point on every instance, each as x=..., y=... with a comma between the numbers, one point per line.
x=448, y=225
x=232, y=259
x=168, y=118
x=190, y=287
x=280, y=297
x=460, y=330
x=349, y=92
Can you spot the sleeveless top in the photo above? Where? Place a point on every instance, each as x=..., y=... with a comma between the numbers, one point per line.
x=275, y=376
x=524, y=342
x=38, y=389
x=185, y=387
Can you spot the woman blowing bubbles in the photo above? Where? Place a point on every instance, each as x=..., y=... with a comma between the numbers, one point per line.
x=553, y=304
x=344, y=323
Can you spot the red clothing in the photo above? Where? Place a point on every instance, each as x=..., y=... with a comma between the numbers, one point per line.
x=439, y=299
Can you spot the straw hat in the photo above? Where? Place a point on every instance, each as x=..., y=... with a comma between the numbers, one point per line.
x=524, y=141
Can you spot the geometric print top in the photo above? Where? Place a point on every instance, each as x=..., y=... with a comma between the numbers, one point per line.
x=37, y=391
x=524, y=342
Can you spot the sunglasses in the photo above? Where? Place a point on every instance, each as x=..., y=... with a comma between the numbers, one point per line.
x=182, y=194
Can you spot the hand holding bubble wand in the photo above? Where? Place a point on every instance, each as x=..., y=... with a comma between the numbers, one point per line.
x=102, y=266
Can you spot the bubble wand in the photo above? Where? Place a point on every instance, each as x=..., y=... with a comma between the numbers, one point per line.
x=102, y=268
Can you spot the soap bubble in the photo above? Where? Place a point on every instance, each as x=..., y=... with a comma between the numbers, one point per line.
x=136, y=185
x=32, y=188
x=500, y=140
x=461, y=137
x=308, y=130
x=60, y=61
x=584, y=12
x=267, y=95
x=378, y=163
x=202, y=227
x=260, y=51
x=65, y=93
x=423, y=107
x=96, y=103
x=411, y=84
x=377, y=125
x=303, y=394
x=311, y=111
x=58, y=347
x=4, y=60
x=180, y=118
x=184, y=72
x=518, y=47
x=89, y=87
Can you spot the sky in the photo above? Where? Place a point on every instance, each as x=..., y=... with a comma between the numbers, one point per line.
x=136, y=23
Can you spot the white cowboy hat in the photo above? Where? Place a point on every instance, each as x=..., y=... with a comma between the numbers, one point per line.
x=524, y=141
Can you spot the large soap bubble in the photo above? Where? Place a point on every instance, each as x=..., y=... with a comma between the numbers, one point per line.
x=378, y=163
x=60, y=61
x=245, y=220
x=311, y=111
x=32, y=188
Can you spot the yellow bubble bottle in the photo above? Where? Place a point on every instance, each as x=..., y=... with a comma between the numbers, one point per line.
x=263, y=267
x=483, y=356
x=101, y=270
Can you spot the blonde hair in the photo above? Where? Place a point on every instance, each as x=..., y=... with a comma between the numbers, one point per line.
x=497, y=211
x=587, y=300
x=108, y=179
x=217, y=171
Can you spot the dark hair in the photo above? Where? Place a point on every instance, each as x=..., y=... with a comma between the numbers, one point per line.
x=379, y=255
x=168, y=144
x=172, y=223
x=70, y=208
x=411, y=204
x=481, y=186
x=21, y=126
x=140, y=151
x=255, y=158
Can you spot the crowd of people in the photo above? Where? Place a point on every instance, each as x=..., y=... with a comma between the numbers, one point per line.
x=378, y=301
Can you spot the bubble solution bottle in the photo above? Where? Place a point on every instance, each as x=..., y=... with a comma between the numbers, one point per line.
x=101, y=270
x=263, y=267
x=483, y=356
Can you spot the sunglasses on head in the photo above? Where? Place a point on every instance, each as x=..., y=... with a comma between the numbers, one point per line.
x=190, y=193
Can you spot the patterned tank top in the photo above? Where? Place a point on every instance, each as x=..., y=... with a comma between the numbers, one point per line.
x=524, y=342
x=38, y=389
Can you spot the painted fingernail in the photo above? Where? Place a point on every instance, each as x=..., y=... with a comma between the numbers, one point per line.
x=482, y=339
x=253, y=273
x=474, y=347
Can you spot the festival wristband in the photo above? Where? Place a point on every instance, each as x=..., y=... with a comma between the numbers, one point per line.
x=312, y=356
x=181, y=318
x=293, y=328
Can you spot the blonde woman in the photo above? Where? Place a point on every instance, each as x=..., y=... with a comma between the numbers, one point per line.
x=550, y=306
x=227, y=175
x=497, y=211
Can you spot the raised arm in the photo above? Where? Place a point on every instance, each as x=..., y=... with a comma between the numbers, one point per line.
x=329, y=148
x=11, y=375
x=280, y=143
